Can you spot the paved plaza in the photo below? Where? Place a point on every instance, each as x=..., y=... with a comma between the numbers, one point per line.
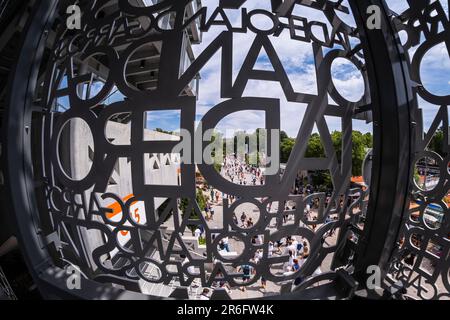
x=236, y=247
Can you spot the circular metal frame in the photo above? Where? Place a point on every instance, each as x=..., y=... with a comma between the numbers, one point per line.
x=392, y=101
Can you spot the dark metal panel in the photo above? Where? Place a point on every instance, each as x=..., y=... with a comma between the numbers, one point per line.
x=387, y=80
x=17, y=149
x=392, y=102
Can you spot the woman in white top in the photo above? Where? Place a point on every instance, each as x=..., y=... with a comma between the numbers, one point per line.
x=271, y=248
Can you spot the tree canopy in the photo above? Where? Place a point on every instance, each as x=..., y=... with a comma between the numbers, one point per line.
x=437, y=143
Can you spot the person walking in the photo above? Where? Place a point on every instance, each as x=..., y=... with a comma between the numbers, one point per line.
x=217, y=196
x=263, y=283
x=211, y=213
x=246, y=274
x=299, y=248
x=235, y=219
x=295, y=266
x=243, y=218
x=250, y=223
x=271, y=248
x=223, y=285
x=207, y=211
x=197, y=233
x=226, y=245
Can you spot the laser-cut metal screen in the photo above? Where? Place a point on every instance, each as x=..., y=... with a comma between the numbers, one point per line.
x=136, y=54
x=421, y=261
x=141, y=178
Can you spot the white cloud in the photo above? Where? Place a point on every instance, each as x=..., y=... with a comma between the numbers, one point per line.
x=297, y=58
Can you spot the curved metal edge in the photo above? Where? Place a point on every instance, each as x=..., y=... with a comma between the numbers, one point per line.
x=51, y=280
x=18, y=174
x=393, y=102
x=385, y=209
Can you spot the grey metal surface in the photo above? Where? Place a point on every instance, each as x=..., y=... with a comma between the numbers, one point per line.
x=66, y=214
x=421, y=260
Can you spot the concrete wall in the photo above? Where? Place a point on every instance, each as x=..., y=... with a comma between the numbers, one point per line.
x=160, y=169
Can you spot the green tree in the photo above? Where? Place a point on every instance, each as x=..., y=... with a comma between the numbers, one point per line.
x=286, y=147
x=336, y=137
x=283, y=135
x=437, y=143
x=322, y=180
x=368, y=140
x=315, y=149
x=359, y=152
x=163, y=131
x=201, y=201
x=217, y=167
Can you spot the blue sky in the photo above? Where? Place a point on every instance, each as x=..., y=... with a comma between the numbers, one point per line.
x=168, y=120
x=297, y=59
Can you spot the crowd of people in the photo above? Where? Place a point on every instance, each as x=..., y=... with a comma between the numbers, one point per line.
x=246, y=222
x=295, y=249
x=241, y=173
